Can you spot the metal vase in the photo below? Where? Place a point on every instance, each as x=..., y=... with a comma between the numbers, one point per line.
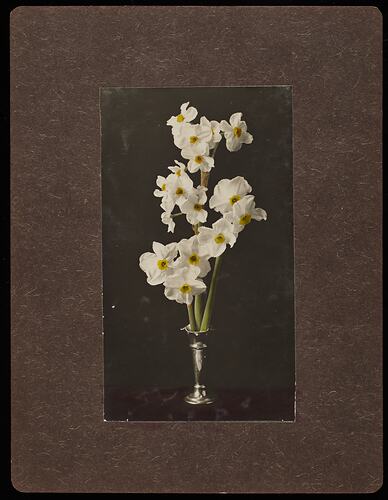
x=198, y=346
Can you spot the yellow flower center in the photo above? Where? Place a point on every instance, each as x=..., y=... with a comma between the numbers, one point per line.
x=234, y=199
x=193, y=139
x=163, y=187
x=180, y=118
x=237, y=131
x=198, y=207
x=185, y=288
x=198, y=159
x=220, y=238
x=193, y=259
x=179, y=191
x=245, y=219
x=162, y=264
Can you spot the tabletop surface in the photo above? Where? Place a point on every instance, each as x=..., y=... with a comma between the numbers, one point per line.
x=153, y=404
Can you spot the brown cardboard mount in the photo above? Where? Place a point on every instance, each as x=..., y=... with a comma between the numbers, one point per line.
x=60, y=57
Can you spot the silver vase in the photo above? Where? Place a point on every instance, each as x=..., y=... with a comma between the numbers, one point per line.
x=198, y=346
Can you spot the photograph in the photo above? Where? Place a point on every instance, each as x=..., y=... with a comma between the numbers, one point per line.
x=196, y=258
x=198, y=254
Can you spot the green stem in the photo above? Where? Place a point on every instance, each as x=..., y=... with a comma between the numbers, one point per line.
x=210, y=300
x=190, y=310
x=197, y=319
x=198, y=310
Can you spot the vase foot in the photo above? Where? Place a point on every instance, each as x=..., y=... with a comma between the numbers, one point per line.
x=198, y=398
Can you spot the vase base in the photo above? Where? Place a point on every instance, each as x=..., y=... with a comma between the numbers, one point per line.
x=199, y=399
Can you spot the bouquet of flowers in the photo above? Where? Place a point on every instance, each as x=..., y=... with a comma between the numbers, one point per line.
x=182, y=267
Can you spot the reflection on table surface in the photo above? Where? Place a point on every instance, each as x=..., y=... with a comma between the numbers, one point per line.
x=153, y=404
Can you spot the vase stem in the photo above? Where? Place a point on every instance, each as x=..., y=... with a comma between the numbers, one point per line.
x=199, y=395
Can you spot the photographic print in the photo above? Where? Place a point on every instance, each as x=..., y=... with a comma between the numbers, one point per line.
x=198, y=281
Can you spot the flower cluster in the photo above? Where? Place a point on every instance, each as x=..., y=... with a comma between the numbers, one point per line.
x=181, y=266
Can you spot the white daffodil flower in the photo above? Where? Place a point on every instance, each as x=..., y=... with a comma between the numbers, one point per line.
x=179, y=187
x=200, y=148
x=168, y=202
x=164, y=193
x=161, y=182
x=215, y=239
x=186, y=115
x=178, y=169
x=227, y=192
x=199, y=158
x=191, y=253
x=168, y=220
x=215, y=128
x=243, y=212
x=193, y=206
x=158, y=265
x=169, y=185
x=183, y=285
x=235, y=132
x=189, y=136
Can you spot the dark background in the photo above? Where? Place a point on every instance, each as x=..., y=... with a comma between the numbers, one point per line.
x=253, y=347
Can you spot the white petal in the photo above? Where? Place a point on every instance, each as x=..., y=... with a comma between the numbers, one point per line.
x=174, y=280
x=184, y=107
x=222, y=225
x=158, y=248
x=191, y=218
x=208, y=164
x=219, y=249
x=191, y=114
x=188, y=154
x=235, y=119
x=193, y=166
x=224, y=188
x=170, y=251
x=205, y=234
x=259, y=214
x=158, y=193
x=225, y=127
x=204, y=122
x=147, y=261
x=232, y=238
x=171, y=293
x=187, y=298
x=202, y=215
x=205, y=267
x=198, y=286
x=180, y=164
x=243, y=126
x=240, y=186
x=246, y=138
x=185, y=247
x=179, y=141
x=186, y=182
x=233, y=144
x=156, y=278
x=171, y=121
x=168, y=220
x=167, y=204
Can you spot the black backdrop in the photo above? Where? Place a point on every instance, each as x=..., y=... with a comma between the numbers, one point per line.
x=253, y=346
